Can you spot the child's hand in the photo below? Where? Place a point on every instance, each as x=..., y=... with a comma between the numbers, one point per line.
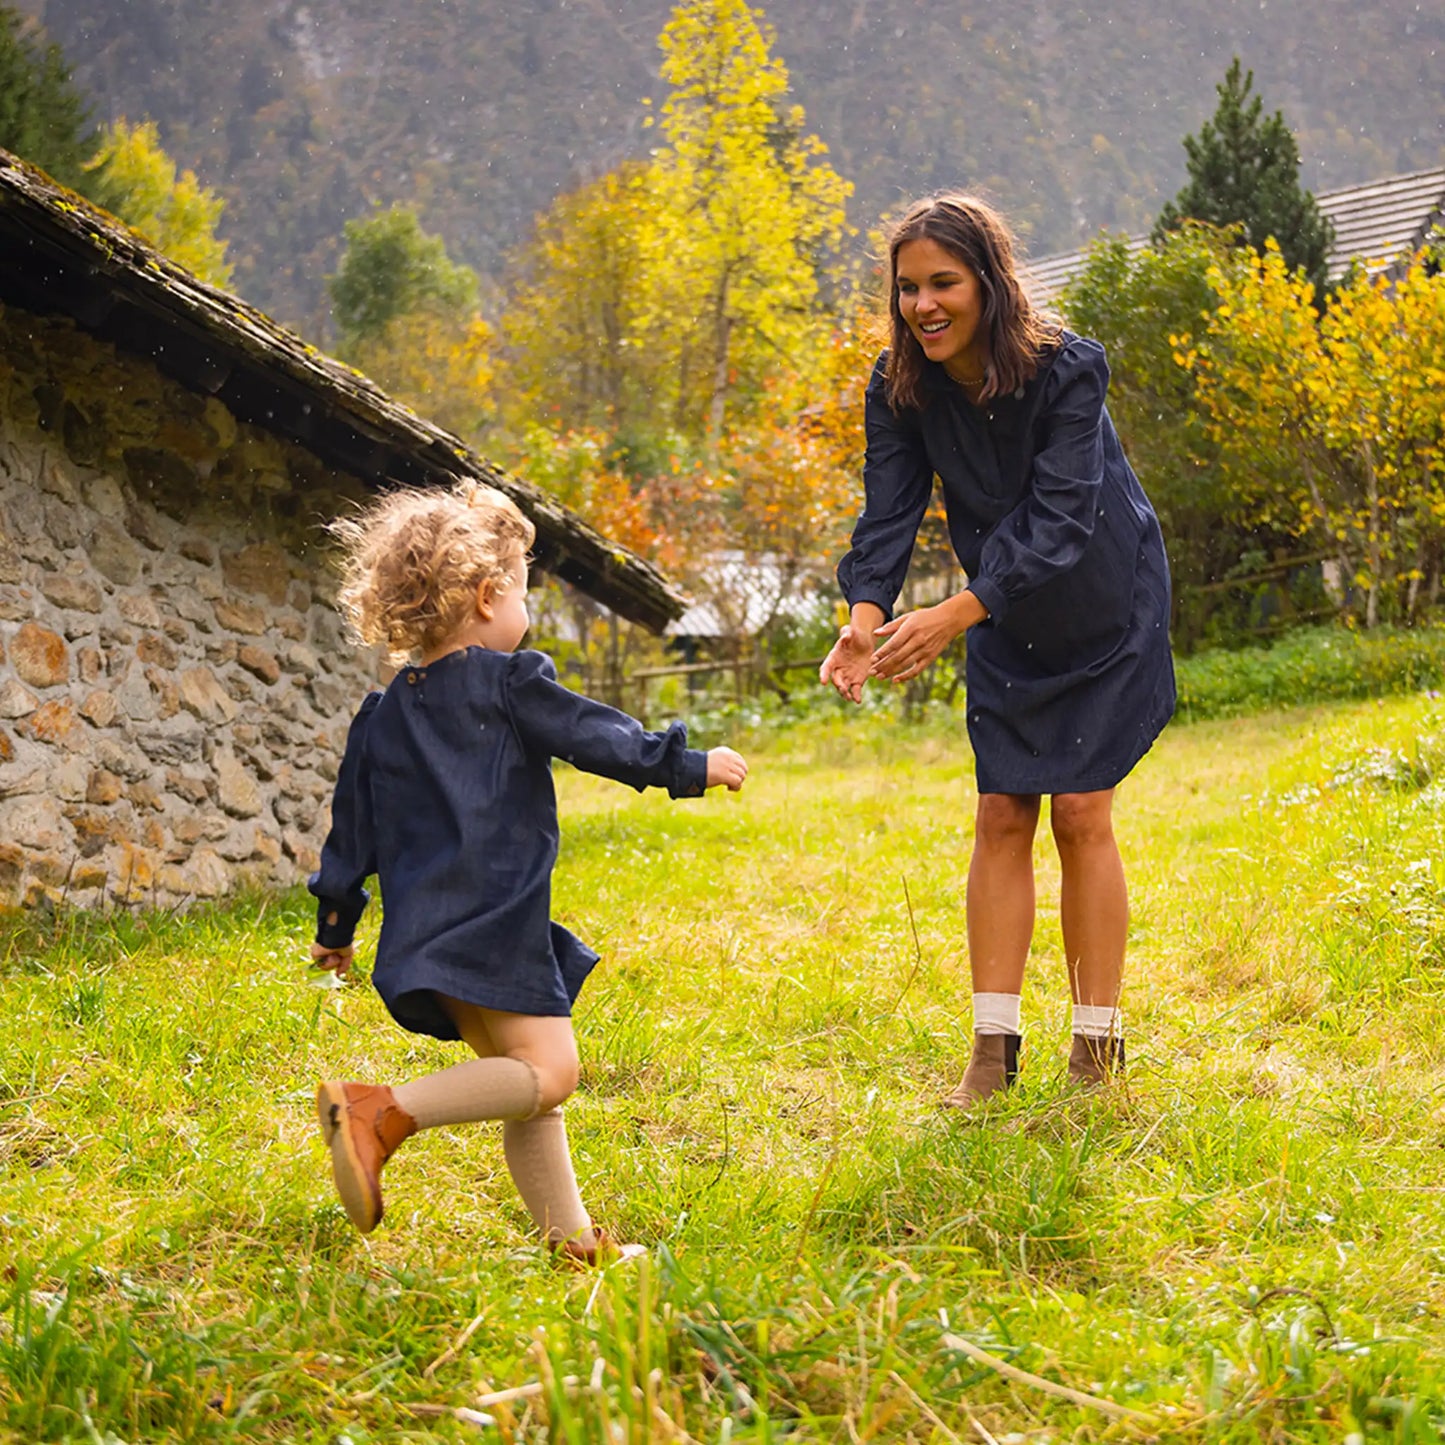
x=726, y=766
x=334, y=960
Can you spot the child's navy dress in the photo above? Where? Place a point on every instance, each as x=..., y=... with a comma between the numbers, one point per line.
x=445, y=793
x=1070, y=677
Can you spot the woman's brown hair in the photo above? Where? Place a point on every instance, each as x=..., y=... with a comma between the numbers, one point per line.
x=976, y=235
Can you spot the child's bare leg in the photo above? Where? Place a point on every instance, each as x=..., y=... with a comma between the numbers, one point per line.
x=536, y=1147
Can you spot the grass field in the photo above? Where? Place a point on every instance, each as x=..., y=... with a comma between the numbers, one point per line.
x=1243, y=1243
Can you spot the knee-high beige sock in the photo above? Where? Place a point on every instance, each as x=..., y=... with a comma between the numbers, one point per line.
x=478, y=1089
x=541, y=1166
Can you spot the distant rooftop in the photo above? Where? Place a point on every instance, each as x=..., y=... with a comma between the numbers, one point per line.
x=1379, y=225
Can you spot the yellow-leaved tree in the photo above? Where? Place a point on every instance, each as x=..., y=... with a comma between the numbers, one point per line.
x=576, y=353
x=1380, y=400
x=174, y=212
x=440, y=365
x=658, y=301
x=748, y=211
x=1333, y=426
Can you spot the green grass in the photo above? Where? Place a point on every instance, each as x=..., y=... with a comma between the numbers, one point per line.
x=1243, y=1244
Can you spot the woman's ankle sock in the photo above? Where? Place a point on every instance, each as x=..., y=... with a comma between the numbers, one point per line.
x=478, y=1089
x=996, y=1013
x=541, y=1166
x=1097, y=1021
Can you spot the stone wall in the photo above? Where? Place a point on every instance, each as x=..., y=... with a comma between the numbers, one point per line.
x=174, y=685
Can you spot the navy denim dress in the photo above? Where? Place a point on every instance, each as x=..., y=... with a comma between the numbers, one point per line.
x=1070, y=678
x=445, y=793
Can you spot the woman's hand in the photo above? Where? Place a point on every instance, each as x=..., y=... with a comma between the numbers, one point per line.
x=846, y=666
x=919, y=638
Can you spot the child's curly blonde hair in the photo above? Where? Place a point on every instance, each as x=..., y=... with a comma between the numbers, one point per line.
x=413, y=559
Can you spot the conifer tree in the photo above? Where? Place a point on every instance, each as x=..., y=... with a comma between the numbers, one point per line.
x=44, y=119
x=1244, y=169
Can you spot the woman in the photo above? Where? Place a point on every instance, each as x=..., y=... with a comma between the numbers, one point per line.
x=1069, y=675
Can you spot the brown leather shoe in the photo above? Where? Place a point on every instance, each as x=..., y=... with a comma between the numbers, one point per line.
x=362, y=1125
x=605, y=1251
x=1093, y=1062
x=992, y=1069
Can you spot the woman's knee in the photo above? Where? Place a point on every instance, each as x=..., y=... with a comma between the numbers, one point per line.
x=1006, y=820
x=1082, y=820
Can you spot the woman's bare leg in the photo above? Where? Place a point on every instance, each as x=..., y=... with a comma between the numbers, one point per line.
x=1001, y=891
x=1094, y=904
x=1093, y=898
x=1000, y=928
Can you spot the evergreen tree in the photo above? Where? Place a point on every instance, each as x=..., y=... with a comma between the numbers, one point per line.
x=1244, y=169
x=43, y=118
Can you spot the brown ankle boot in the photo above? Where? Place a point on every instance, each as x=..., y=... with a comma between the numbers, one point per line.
x=1095, y=1061
x=362, y=1125
x=993, y=1068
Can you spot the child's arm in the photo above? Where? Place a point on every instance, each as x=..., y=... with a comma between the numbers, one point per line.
x=348, y=856
x=552, y=719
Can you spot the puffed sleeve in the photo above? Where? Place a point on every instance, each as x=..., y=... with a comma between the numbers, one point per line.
x=1045, y=535
x=348, y=857
x=553, y=720
x=897, y=484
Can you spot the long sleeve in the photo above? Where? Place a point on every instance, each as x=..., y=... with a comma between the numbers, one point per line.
x=553, y=720
x=897, y=485
x=348, y=857
x=1046, y=533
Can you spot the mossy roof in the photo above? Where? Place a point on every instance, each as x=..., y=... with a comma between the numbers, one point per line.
x=61, y=255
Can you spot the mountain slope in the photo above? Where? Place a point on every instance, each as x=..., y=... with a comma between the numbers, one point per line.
x=304, y=113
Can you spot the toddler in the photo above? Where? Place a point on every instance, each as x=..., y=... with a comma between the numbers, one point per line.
x=445, y=793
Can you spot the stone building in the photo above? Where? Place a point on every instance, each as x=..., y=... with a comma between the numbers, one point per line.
x=174, y=682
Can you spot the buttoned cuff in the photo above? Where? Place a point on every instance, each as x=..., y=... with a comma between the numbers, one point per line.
x=991, y=595
x=878, y=595
x=691, y=780
x=340, y=933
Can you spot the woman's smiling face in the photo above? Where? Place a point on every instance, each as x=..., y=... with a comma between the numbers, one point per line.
x=941, y=302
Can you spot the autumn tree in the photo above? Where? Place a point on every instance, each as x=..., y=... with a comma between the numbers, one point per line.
x=1144, y=305
x=1244, y=171
x=586, y=262
x=137, y=180
x=685, y=281
x=749, y=209
x=1336, y=427
x=44, y=119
